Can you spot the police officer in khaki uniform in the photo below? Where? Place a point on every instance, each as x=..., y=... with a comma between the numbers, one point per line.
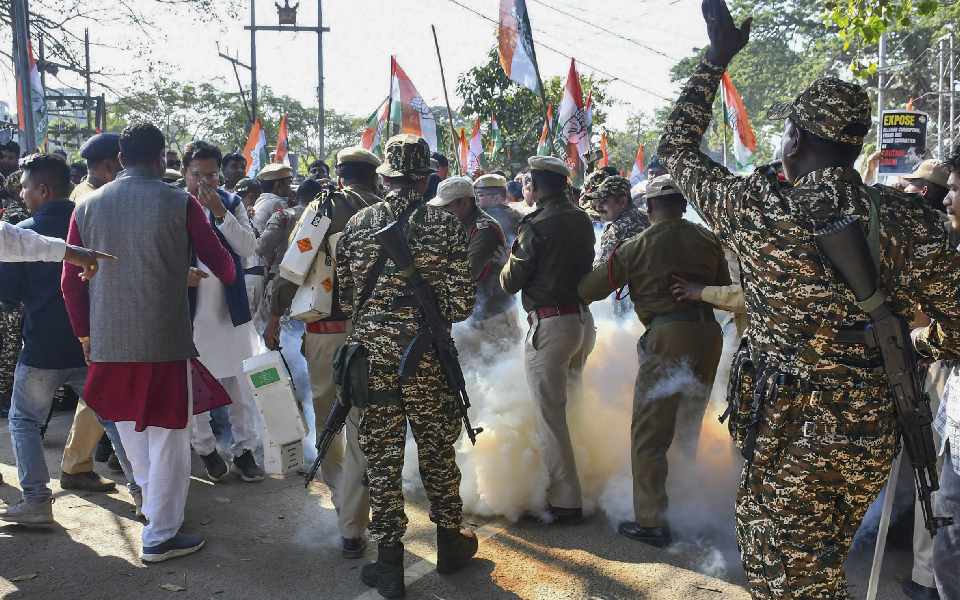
x=682, y=339
x=553, y=251
x=493, y=314
x=343, y=467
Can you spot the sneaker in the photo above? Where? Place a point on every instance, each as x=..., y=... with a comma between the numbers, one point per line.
x=250, y=471
x=113, y=463
x=353, y=547
x=215, y=465
x=179, y=545
x=29, y=513
x=86, y=482
x=655, y=536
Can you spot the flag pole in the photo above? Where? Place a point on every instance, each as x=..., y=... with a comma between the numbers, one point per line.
x=390, y=100
x=536, y=69
x=446, y=98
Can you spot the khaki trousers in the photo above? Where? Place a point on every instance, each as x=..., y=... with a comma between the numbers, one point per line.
x=85, y=432
x=555, y=352
x=678, y=362
x=343, y=468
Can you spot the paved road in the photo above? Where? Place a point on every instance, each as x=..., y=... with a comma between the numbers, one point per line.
x=275, y=540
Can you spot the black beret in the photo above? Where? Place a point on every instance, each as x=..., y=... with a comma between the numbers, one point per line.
x=101, y=146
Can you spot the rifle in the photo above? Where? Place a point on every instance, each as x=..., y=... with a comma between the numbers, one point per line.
x=434, y=329
x=333, y=425
x=844, y=245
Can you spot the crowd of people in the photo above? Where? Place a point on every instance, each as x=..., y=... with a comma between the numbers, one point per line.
x=157, y=365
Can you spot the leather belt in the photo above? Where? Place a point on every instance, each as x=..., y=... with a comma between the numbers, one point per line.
x=545, y=312
x=327, y=327
x=852, y=335
x=258, y=270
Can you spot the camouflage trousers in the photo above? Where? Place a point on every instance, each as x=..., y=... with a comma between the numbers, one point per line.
x=435, y=426
x=10, y=345
x=821, y=459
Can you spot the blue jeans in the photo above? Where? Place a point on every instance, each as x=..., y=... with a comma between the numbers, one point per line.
x=30, y=404
x=946, y=544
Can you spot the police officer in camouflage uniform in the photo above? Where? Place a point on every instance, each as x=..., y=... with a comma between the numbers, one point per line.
x=385, y=320
x=827, y=431
x=13, y=211
x=622, y=217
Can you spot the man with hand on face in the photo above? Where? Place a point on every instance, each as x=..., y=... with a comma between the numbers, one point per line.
x=826, y=433
x=222, y=327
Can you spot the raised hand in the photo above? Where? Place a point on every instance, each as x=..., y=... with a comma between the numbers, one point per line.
x=726, y=39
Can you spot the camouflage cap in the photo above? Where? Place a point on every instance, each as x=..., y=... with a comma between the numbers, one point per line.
x=405, y=155
x=830, y=108
x=612, y=187
x=593, y=181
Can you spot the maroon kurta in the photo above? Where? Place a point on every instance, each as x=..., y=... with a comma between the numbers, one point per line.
x=151, y=394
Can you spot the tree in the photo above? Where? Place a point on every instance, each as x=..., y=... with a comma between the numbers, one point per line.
x=487, y=92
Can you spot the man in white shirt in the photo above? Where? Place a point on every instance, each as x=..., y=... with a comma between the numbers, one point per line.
x=23, y=245
x=275, y=180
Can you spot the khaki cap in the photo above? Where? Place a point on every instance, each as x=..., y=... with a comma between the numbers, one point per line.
x=662, y=186
x=357, y=154
x=490, y=181
x=451, y=189
x=274, y=172
x=551, y=164
x=931, y=170
x=405, y=155
x=830, y=108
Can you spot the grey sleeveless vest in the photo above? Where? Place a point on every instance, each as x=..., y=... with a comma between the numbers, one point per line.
x=139, y=310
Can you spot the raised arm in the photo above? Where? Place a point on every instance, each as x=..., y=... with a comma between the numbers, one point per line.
x=238, y=232
x=24, y=245
x=207, y=245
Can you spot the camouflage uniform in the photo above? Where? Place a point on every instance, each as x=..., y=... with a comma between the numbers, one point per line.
x=827, y=433
x=630, y=222
x=385, y=325
x=11, y=317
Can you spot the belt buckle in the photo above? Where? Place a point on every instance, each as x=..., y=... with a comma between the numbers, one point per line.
x=809, y=429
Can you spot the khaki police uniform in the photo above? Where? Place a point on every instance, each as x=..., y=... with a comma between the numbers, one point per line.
x=553, y=251
x=678, y=353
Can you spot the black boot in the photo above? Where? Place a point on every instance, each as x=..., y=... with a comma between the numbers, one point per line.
x=454, y=549
x=387, y=573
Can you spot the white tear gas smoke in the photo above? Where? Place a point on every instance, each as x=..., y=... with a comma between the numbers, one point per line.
x=504, y=474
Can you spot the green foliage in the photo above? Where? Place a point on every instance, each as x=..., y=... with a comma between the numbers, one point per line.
x=487, y=92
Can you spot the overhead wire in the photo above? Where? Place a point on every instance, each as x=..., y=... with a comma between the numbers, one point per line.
x=565, y=55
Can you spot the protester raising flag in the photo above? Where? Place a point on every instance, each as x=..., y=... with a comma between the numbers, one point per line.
x=744, y=141
x=543, y=146
x=474, y=150
x=408, y=109
x=372, y=137
x=255, y=150
x=604, y=153
x=638, y=173
x=280, y=156
x=496, y=139
x=515, y=45
x=37, y=104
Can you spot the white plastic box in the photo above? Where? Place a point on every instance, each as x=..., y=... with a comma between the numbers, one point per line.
x=284, y=427
x=314, y=299
x=304, y=246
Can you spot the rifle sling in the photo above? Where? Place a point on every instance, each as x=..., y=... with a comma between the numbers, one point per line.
x=373, y=275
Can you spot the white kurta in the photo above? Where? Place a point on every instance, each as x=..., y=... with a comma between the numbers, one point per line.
x=24, y=245
x=223, y=347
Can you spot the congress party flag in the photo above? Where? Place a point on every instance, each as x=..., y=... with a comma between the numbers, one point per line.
x=32, y=89
x=408, y=108
x=744, y=141
x=474, y=150
x=543, y=146
x=638, y=173
x=515, y=45
x=283, y=146
x=372, y=137
x=572, y=126
x=255, y=150
x=496, y=138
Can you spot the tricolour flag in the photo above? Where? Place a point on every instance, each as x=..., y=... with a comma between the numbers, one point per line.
x=744, y=141
x=604, y=153
x=254, y=151
x=572, y=125
x=280, y=156
x=638, y=173
x=515, y=44
x=372, y=137
x=496, y=138
x=584, y=146
x=409, y=109
x=543, y=146
x=474, y=150
x=37, y=104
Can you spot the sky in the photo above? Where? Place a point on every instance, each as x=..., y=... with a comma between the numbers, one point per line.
x=364, y=33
